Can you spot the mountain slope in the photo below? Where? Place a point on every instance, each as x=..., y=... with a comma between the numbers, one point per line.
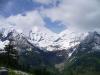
x=42, y=37
x=86, y=59
x=80, y=51
x=30, y=55
x=68, y=39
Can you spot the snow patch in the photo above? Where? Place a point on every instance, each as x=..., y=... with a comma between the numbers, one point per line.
x=2, y=44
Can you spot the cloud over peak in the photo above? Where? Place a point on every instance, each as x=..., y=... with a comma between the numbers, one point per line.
x=77, y=14
x=25, y=22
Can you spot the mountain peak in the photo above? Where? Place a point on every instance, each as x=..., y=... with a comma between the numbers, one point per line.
x=42, y=36
x=45, y=39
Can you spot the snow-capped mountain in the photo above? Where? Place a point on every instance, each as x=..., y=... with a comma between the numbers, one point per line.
x=68, y=39
x=92, y=42
x=44, y=38
x=48, y=40
x=48, y=46
x=30, y=52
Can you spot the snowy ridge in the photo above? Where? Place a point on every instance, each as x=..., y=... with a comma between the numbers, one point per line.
x=5, y=29
x=3, y=43
x=42, y=37
x=69, y=39
x=45, y=39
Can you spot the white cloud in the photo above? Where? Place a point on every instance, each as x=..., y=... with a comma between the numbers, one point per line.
x=81, y=15
x=43, y=1
x=26, y=22
x=47, y=2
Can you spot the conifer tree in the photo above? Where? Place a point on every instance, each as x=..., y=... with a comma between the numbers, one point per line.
x=11, y=54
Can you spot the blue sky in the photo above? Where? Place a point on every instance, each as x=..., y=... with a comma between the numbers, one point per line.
x=15, y=7
x=55, y=26
x=57, y=15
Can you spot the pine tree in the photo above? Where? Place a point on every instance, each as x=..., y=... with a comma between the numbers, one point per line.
x=11, y=55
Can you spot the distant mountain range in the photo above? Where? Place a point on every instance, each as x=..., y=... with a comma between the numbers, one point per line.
x=46, y=39
x=43, y=47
